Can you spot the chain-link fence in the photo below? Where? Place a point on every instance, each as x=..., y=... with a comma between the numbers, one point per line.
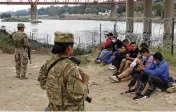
x=90, y=38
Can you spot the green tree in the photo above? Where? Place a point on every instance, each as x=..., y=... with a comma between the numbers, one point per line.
x=139, y=7
x=158, y=9
x=88, y=10
x=56, y=10
x=121, y=9
x=5, y=15
x=22, y=12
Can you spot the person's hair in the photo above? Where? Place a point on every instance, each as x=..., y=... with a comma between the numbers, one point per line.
x=19, y=28
x=144, y=45
x=144, y=50
x=158, y=56
x=59, y=48
x=110, y=34
x=125, y=41
x=123, y=46
x=114, y=37
x=132, y=43
x=107, y=34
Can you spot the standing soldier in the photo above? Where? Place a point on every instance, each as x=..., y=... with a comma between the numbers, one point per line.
x=21, y=43
x=65, y=83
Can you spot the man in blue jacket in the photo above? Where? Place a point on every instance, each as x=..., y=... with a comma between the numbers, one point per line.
x=157, y=74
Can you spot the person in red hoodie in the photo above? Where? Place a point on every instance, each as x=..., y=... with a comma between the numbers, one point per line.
x=105, y=46
x=108, y=41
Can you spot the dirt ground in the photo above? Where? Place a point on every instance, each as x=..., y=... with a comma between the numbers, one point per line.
x=26, y=95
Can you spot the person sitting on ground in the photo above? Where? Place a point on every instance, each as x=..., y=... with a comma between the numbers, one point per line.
x=147, y=61
x=157, y=74
x=117, y=58
x=129, y=69
x=116, y=44
x=104, y=47
x=110, y=50
x=130, y=57
x=108, y=41
x=126, y=42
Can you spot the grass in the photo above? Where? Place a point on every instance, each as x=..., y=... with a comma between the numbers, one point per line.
x=16, y=20
x=5, y=41
x=6, y=45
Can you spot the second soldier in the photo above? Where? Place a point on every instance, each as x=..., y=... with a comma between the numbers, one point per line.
x=21, y=44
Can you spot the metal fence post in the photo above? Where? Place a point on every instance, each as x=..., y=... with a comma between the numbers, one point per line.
x=172, y=46
x=79, y=41
x=32, y=36
x=92, y=40
x=47, y=41
x=100, y=33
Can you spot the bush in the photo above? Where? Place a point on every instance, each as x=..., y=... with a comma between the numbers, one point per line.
x=7, y=49
x=81, y=50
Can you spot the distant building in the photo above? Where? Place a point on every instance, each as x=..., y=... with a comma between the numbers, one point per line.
x=157, y=0
x=106, y=13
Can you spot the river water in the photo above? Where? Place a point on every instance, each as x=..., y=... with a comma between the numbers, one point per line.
x=84, y=30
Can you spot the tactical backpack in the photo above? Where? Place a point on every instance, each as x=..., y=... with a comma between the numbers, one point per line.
x=18, y=39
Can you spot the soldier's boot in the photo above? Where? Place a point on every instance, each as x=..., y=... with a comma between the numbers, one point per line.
x=23, y=77
x=18, y=76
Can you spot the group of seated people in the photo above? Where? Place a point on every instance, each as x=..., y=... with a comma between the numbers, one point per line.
x=146, y=70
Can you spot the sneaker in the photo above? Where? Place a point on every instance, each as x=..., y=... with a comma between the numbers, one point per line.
x=174, y=78
x=98, y=61
x=17, y=76
x=114, y=79
x=23, y=77
x=132, y=91
x=171, y=90
x=139, y=97
x=112, y=67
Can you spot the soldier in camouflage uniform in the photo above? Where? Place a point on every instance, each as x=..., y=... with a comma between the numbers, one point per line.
x=21, y=43
x=65, y=83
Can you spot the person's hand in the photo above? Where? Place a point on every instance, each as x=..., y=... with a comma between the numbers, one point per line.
x=138, y=61
x=113, y=57
x=140, y=68
x=127, y=56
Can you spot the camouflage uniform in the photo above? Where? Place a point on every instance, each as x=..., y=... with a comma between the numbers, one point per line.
x=21, y=43
x=66, y=84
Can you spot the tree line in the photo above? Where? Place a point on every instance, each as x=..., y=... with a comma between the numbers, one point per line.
x=158, y=10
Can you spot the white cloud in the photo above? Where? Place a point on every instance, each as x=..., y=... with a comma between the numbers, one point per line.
x=4, y=8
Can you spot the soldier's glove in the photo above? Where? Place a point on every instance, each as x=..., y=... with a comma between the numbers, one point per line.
x=88, y=99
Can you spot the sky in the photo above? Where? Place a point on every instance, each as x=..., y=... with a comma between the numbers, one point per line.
x=4, y=8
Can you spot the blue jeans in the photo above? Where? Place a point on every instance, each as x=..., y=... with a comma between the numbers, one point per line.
x=104, y=54
x=109, y=60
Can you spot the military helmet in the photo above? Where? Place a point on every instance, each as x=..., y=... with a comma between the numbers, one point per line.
x=61, y=37
x=21, y=25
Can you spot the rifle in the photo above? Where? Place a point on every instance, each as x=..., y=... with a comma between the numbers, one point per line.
x=77, y=61
x=29, y=53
